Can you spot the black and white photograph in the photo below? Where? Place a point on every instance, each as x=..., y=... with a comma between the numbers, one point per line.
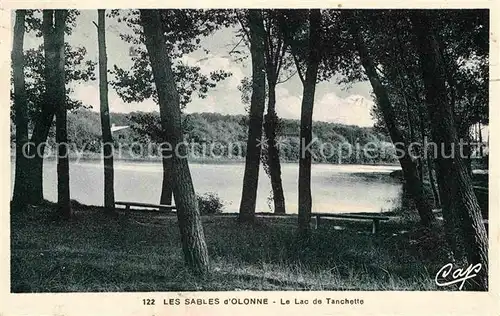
x=254, y=149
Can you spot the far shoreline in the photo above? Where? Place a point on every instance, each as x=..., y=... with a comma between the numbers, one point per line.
x=94, y=157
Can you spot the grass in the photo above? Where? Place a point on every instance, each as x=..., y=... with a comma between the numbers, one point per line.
x=141, y=252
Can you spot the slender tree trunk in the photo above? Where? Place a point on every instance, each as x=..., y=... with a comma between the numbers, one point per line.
x=460, y=196
x=432, y=181
x=410, y=173
x=257, y=104
x=429, y=160
x=273, y=159
x=420, y=166
x=57, y=87
x=274, y=48
x=21, y=111
x=107, y=137
x=480, y=140
x=188, y=215
x=305, y=159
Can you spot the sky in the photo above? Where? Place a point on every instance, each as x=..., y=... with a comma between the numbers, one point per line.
x=333, y=102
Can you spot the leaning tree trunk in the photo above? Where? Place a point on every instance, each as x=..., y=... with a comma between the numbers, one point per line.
x=188, y=215
x=460, y=196
x=410, y=172
x=273, y=158
x=58, y=90
x=21, y=111
x=305, y=159
x=166, y=186
x=257, y=104
x=107, y=137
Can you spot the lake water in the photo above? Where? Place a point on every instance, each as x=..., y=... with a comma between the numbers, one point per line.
x=335, y=188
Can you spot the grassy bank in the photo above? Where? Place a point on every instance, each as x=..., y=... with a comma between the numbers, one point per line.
x=141, y=252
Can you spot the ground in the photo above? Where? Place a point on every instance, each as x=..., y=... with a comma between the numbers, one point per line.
x=141, y=252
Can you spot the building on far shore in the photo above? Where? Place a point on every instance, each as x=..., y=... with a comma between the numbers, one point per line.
x=115, y=129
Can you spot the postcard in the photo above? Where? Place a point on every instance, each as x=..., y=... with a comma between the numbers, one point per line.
x=213, y=158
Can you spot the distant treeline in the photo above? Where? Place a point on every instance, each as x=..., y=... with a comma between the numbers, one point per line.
x=225, y=136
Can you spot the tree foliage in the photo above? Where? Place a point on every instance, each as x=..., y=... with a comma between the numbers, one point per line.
x=183, y=30
x=388, y=35
x=77, y=67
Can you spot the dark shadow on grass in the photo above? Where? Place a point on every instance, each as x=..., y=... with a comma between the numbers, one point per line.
x=141, y=252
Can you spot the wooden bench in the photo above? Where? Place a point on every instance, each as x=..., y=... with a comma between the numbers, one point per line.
x=138, y=204
x=375, y=218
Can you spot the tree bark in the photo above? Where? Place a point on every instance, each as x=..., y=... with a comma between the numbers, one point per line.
x=480, y=140
x=432, y=181
x=309, y=85
x=429, y=160
x=420, y=166
x=459, y=196
x=58, y=91
x=21, y=111
x=274, y=55
x=36, y=150
x=107, y=137
x=166, y=186
x=257, y=104
x=444, y=175
x=41, y=130
x=273, y=158
x=410, y=173
x=190, y=226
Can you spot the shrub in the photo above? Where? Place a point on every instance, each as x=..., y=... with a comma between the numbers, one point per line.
x=210, y=203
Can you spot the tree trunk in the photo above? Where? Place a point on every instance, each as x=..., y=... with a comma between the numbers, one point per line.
x=459, y=196
x=191, y=230
x=429, y=160
x=35, y=162
x=58, y=91
x=21, y=112
x=273, y=62
x=107, y=137
x=468, y=151
x=273, y=159
x=257, y=104
x=44, y=122
x=480, y=140
x=444, y=175
x=432, y=181
x=420, y=170
x=420, y=166
x=305, y=159
x=166, y=187
x=410, y=173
